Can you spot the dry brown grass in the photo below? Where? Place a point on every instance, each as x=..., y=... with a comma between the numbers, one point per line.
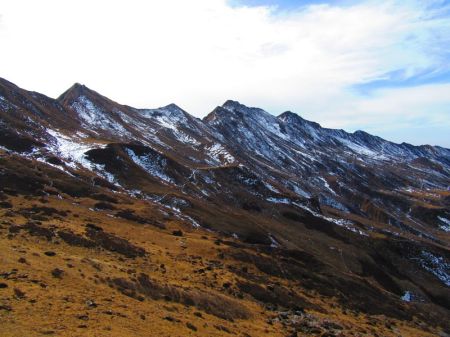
x=177, y=284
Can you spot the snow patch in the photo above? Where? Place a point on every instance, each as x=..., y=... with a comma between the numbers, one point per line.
x=73, y=152
x=270, y=187
x=185, y=138
x=95, y=117
x=5, y=104
x=164, y=121
x=273, y=243
x=446, y=226
x=361, y=150
x=279, y=200
x=332, y=203
x=5, y=149
x=437, y=266
x=327, y=186
x=406, y=296
x=300, y=191
x=151, y=164
x=219, y=153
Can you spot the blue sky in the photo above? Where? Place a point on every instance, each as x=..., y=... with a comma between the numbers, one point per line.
x=380, y=66
x=399, y=79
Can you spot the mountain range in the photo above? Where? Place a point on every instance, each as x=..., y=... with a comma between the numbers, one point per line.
x=320, y=215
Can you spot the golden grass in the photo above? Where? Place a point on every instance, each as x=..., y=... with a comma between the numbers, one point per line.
x=64, y=306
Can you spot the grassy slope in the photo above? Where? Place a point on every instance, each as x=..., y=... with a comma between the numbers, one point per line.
x=59, y=306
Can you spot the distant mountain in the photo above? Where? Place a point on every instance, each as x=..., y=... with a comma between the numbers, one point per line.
x=279, y=182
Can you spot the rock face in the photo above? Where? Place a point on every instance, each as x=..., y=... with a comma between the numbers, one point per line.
x=346, y=213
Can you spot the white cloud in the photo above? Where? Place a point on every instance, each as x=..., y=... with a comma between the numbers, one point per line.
x=200, y=53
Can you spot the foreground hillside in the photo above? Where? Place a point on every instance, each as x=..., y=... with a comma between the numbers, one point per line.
x=119, y=221
x=69, y=268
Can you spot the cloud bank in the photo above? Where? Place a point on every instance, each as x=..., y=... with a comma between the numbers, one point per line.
x=381, y=66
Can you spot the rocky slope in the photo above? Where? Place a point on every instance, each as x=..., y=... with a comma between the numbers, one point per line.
x=302, y=228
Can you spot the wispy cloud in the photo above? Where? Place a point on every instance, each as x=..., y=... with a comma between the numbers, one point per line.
x=361, y=65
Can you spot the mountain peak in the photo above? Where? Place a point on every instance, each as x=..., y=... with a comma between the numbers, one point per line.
x=174, y=111
x=78, y=87
x=292, y=117
x=288, y=114
x=231, y=105
x=231, y=109
x=76, y=90
x=172, y=107
x=235, y=106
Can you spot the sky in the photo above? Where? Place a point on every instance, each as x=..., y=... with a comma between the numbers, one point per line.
x=378, y=66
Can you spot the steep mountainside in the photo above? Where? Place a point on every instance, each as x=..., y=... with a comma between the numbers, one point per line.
x=301, y=227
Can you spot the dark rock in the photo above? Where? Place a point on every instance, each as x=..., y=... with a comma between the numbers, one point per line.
x=42, y=210
x=83, y=317
x=226, y=285
x=171, y=319
x=104, y=197
x=14, y=229
x=191, y=326
x=5, y=204
x=315, y=330
x=50, y=253
x=58, y=273
x=91, y=304
x=5, y=307
x=19, y=293
x=177, y=233
x=93, y=227
x=35, y=230
x=54, y=160
x=75, y=240
x=113, y=243
x=222, y=328
x=128, y=214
